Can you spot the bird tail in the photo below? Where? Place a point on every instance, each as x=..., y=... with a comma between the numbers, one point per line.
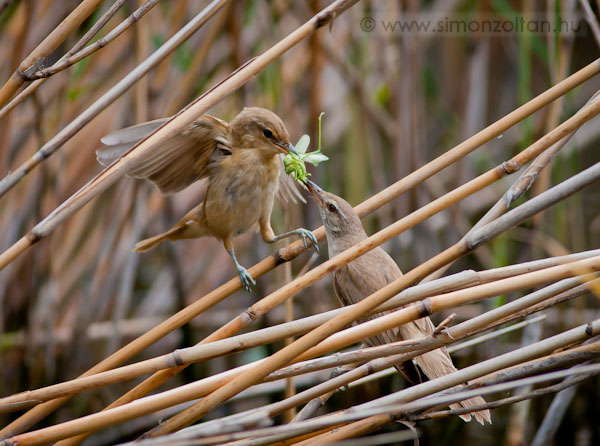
x=191, y=225
x=438, y=363
x=152, y=242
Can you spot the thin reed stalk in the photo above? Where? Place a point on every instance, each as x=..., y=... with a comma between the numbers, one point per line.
x=13, y=178
x=453, y=348
x=518, y=188
x=572, y=376
x=78, y=53
x=270, y=435
x=45, y=48
x=572, y=380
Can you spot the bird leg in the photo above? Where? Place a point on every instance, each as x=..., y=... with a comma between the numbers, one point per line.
x=269, y=236
x=247, y=281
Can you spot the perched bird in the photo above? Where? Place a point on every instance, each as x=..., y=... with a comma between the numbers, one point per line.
x=241, y=162
x=369, y=273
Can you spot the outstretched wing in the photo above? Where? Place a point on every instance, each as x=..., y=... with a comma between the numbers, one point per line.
x=179, y=161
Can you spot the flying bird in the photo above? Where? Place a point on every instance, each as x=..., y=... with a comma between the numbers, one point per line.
x=242, y=164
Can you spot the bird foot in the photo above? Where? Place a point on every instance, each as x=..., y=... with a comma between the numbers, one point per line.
x=306, y=234
x=247, y=281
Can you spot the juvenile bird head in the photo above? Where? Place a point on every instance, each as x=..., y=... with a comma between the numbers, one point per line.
x=339, y=218
x=258, y=128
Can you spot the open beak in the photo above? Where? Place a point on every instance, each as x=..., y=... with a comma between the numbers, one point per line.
x=285, y=147
x=316, y=192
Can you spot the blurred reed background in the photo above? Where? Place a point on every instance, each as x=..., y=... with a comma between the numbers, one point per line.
x=393, y=101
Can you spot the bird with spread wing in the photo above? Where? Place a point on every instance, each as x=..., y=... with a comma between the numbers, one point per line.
x=242, y=165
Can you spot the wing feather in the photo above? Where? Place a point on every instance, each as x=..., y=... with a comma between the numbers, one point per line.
x=407, y=368
x=133, y=134
x=180, y=160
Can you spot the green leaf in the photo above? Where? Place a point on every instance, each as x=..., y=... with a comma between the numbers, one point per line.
x=302, y=144
x=294, y=164
x=315, y=158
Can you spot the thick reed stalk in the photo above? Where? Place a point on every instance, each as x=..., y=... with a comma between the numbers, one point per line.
x=512, y=358
x=201, y=388
x=519, y=187
x=268, y=335
x=274, y=435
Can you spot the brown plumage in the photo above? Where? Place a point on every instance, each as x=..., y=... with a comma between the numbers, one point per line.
x=371, y=272
x=241, y=162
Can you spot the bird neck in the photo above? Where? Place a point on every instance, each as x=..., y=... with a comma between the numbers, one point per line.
x=264, y=155
x=339, y=241
x=263, y=162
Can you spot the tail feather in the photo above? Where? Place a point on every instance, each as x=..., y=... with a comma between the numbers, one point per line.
x=481, y=417
x=438, y=363
x=152, y=242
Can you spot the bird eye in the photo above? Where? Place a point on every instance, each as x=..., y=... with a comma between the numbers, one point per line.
x=331, y=207
x=268, y=133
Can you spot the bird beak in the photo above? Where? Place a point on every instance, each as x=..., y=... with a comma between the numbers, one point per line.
x=316, y=192
x=285, y=147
